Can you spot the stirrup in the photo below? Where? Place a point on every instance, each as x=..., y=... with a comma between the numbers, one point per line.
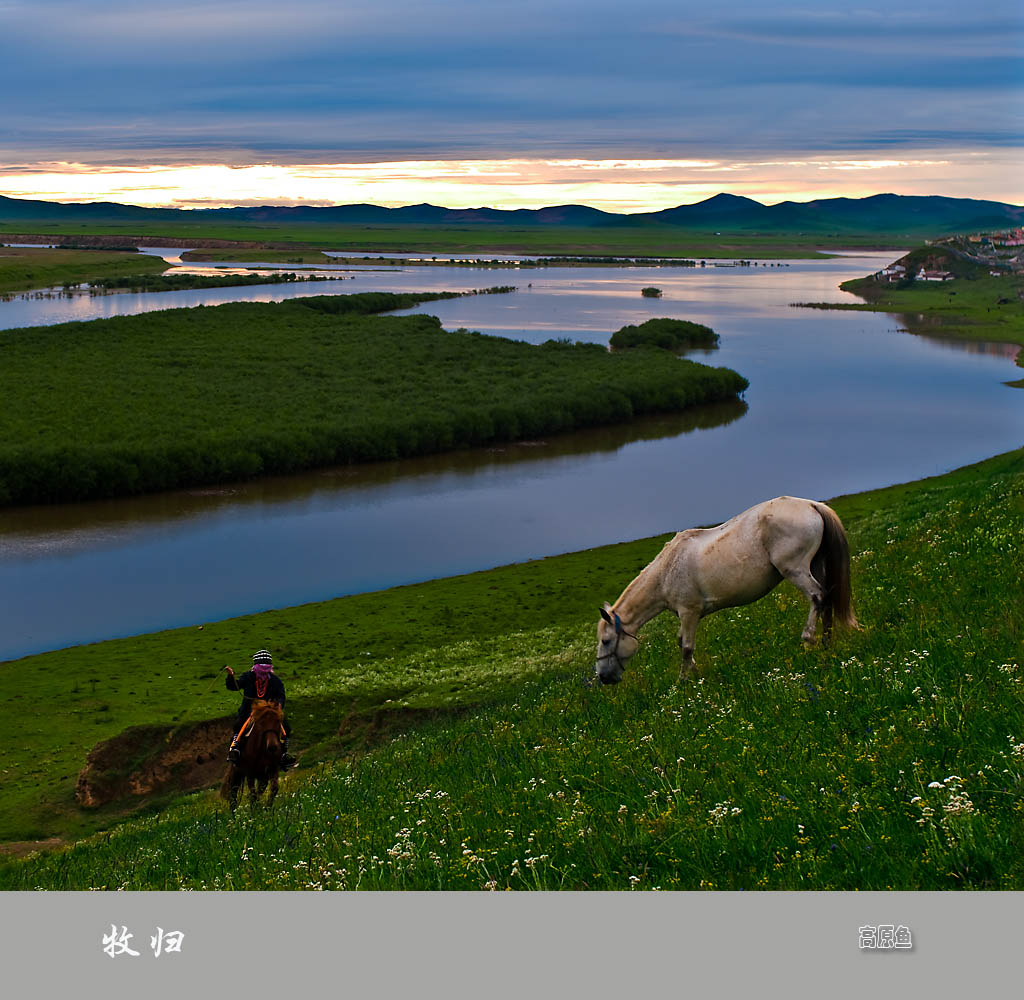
x=287, y=762
x=234, y=755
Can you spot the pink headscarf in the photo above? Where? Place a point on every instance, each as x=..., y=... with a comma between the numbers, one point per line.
x=262, y=664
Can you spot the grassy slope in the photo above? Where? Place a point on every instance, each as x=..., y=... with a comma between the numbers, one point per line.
x=26, y=268
x=777, y=768
x=352, y=655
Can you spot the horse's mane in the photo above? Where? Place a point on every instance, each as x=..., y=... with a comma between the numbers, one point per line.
x=264, y=712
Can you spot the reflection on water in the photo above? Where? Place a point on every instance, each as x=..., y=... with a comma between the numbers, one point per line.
x=919, y=326
x=65, y=528
x=588, y=303
x=837, y=404
x=170, y=254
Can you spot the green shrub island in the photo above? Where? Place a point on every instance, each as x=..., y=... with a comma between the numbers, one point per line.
x=651, y=292
x=672, y=334
x=180, y=282
x=186, y=397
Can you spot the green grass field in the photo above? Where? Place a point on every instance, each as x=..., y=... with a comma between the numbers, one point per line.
x=23, y=268
x=206, y=395
x=891, y=759
x=651, y=241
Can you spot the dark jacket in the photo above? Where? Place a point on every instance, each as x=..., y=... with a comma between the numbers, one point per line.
x=246, y=683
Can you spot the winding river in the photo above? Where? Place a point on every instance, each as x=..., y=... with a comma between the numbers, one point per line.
x=838, y=402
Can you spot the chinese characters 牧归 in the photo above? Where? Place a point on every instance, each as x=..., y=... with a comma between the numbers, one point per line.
x=117, y=943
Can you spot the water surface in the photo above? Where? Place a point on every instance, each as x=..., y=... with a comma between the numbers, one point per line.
x=838, y=402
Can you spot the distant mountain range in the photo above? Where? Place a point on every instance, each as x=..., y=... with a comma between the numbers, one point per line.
x=882, y=213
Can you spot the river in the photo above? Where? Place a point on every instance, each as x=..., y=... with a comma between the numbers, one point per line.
x=838, y=402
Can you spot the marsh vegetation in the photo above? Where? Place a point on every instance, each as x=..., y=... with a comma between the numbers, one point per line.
x=207, y=395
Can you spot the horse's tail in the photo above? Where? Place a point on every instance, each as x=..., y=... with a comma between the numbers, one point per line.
x=833, y=558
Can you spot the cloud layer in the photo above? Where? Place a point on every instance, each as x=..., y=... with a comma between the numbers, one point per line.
x=321, y=82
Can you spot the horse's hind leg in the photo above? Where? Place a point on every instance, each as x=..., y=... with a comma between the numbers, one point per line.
x=802, y=578
x=794, y=563
x=688, y=621
x=811, y=628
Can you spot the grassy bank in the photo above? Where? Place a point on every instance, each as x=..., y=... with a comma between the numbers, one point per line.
x=982, y=308
x=891, y=759
x=23, y=268
x=196, y=396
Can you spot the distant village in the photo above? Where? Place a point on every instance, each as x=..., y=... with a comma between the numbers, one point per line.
x=1000, y=253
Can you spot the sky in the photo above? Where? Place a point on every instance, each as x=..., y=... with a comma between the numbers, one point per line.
x=628, y=107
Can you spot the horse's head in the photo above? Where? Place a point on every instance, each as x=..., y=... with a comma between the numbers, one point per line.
x=266, y=713
x=615, y=645
x=264, y=744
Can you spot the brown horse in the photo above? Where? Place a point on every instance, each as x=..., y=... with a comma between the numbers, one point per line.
x=261, y=755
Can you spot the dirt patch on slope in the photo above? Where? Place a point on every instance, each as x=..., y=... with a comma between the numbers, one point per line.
x=22, y=848
x=147, y=759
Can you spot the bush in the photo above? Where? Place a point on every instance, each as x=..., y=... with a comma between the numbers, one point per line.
x=671, y=334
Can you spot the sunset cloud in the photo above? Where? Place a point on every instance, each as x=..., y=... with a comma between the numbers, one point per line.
x=612, y=185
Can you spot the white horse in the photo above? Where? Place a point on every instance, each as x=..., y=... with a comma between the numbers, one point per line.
x=703, y=570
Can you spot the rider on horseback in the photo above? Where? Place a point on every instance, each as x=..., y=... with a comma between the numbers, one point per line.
x=259, y=683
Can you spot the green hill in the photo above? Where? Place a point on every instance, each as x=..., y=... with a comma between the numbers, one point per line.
x=891, y=759
x=883, y=214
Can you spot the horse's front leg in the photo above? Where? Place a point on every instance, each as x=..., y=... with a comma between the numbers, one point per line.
x=273, y=790
x=688, y=621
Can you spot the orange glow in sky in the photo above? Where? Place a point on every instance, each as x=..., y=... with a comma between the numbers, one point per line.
x=614, y=185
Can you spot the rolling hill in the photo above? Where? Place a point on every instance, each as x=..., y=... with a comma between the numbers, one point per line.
x=879, y=214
